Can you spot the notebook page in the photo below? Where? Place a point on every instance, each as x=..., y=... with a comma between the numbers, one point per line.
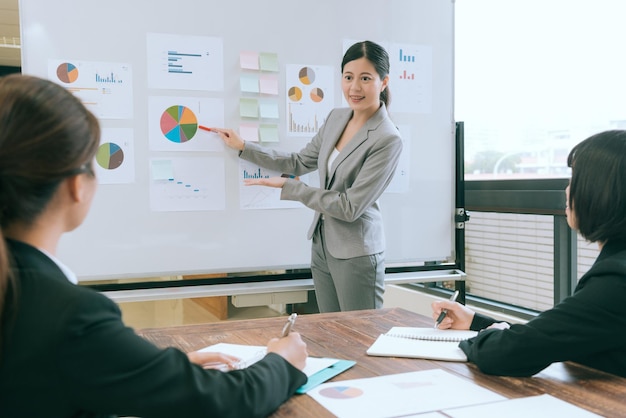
x=431, y=334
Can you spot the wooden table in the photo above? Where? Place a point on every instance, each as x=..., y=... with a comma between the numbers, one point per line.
x=348, y=335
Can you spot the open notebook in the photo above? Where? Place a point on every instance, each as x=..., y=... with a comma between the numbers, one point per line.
x=427, y=343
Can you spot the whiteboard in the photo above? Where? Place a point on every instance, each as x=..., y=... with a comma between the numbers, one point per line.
x=140, y=224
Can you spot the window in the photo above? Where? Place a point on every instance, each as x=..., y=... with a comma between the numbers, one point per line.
x=533, y=78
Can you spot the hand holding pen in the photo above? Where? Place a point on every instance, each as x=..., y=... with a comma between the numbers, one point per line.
x=444, y=311
x=290, y=346
x=449, y=314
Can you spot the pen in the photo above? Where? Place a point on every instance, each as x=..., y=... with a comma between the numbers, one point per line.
x=290, y=321
x=206, y=128
x=444, y=312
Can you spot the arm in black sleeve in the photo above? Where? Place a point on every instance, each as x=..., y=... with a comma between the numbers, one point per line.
x=586, y=327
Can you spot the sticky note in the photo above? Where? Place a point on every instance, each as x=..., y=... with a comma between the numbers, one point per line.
x=268, y=61
x=249, y=83
x=248, y=108
x=268, y=109
x=249, y=60
x=249, y=132
x=268, y=133
x=162, y=170
x=268, y=84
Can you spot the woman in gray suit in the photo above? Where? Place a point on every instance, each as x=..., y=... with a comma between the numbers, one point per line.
x=356, y=152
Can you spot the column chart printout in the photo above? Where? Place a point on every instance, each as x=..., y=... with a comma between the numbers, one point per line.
x=187, y=184
x=261, y=197
x=183, y=62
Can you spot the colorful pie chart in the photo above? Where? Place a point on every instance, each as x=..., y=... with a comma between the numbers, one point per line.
x=67, y=73
x=110, y=156
x=179, y=124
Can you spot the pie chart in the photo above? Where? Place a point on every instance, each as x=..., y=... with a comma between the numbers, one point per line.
x=109, y=156
x=295, y=94
x=179, y=124
x=67, y=73
x=317, y=95
x=306, y=75
x=341, y=392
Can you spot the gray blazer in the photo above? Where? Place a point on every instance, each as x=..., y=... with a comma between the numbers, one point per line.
x=353, y=224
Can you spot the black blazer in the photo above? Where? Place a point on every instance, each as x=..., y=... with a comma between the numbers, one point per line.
x=587, y=327
x=66, y=353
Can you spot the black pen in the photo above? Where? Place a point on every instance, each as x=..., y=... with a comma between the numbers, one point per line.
x=444, y=312
x=290, y=321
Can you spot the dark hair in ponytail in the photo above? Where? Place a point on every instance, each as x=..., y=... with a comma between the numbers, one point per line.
x=375, y=54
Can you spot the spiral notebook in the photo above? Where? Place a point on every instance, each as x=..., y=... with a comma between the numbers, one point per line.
x=426, y=343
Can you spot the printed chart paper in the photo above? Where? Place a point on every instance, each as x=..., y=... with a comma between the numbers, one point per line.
x=184, y=62
x=105, y=88
x=400, y=394
x=187, y=184
x=115, y=159
x=309, y=98
x=173, y=123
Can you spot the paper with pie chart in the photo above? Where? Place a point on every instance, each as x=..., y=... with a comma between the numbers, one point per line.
x=310, y=98
x=105, y=88
x=402, y=394
x=115, y=158
x=174, y=123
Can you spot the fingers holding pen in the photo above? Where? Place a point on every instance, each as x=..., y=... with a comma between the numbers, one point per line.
x=457, y=316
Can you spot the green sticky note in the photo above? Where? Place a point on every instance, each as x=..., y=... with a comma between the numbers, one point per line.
x=248, y=108
x=268, y=61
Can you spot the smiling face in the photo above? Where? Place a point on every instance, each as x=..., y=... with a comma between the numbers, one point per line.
x=362, y=85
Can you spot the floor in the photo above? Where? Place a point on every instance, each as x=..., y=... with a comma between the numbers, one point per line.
x=165, y=313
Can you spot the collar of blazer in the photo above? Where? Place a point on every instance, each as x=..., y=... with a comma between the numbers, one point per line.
x=359, y=138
